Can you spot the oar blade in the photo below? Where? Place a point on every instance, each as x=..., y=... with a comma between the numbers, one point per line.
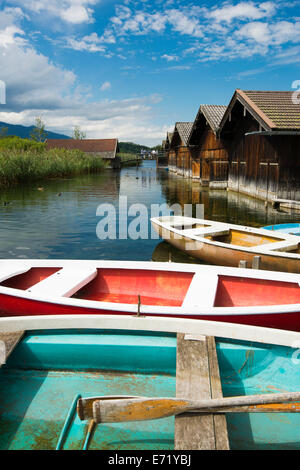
x=112, y=411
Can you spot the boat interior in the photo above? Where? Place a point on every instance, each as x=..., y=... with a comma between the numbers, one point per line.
x=238, y=237
x=153, y=287
x=50, y=370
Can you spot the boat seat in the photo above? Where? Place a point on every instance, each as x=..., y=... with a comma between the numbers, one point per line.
x=10, y=271
x=202, y=291
x=203, y=232
x=64, y=283
x=283, y=245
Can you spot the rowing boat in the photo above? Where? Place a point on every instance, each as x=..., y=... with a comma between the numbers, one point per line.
x=228, y=244
x=57, y=363
x=294, y=229
x=67, y=287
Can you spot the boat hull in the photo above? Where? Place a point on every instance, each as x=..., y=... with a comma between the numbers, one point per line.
x=14, y=307
x=226, y=256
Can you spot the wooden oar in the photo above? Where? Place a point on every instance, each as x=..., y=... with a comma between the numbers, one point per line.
x=85, y=405
x=139, y=409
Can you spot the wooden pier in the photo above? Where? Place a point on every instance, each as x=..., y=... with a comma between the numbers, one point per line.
x=197, y=377
x=10, y=341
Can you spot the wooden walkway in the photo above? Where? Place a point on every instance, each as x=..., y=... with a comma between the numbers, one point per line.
x=197, y=377
x=9, y=341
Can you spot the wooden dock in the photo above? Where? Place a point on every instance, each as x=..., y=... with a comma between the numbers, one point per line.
x=9, y=341
x=197, y=377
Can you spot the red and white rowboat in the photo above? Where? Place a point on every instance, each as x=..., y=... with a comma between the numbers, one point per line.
x=215, y=293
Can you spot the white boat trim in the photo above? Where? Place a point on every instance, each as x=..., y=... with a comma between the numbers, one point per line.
x=285, y=240
x=188, y=307
x=166, y=325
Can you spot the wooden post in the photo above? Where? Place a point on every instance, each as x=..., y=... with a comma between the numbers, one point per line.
x=256, y=262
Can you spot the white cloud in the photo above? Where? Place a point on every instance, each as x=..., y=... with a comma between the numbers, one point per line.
x=35, y=86
x=183, y=23
x=170, y=58
x=243, y=10
x=91, y=43
x=140, y=22
x=105, y=86
x=10, y=35
x=271, y=34
x=70, y=11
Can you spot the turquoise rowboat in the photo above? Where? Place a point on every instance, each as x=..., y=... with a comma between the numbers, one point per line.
x=293, y=229
x=49, y=370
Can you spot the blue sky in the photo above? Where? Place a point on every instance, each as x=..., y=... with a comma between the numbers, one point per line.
x=131, y=69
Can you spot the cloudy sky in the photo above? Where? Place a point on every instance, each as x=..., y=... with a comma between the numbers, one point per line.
x=130, y=69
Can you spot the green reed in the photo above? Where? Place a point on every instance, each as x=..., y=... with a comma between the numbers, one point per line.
x=20, y=166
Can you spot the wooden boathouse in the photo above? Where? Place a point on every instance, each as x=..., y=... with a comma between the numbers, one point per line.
x=250, y=146
x=209, y=155
x=104, y=148
x=179, y=153
x=261, y=130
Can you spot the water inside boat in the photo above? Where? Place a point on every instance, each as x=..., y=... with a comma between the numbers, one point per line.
x=48, y=370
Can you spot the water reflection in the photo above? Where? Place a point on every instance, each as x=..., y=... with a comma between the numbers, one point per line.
x=57, y=218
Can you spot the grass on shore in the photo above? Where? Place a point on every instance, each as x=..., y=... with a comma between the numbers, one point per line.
x=22, y=165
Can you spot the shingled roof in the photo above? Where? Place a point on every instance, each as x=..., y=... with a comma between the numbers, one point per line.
x=274, y=110
x=183, y=129
x=106, y=148
x=213, y=114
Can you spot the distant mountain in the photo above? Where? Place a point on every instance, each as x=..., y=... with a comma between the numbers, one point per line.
x=25, y=131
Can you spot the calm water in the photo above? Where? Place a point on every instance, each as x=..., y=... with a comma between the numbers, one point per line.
x=58, y=218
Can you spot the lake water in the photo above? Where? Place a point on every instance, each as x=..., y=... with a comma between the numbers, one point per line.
x=59, y=218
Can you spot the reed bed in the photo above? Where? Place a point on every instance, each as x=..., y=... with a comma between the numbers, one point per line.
x=37, y=163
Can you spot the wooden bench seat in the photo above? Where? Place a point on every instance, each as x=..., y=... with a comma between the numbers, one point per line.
x=205, y=231
x=64, y=283
x=8, y=271
x=282, y=245
x=202, y=291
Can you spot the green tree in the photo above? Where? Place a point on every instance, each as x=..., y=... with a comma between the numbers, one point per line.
x=78, y=134
x=38, y=133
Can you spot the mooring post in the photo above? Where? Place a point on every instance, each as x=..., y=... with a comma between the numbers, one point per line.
x=256, y=262
x=243, y=264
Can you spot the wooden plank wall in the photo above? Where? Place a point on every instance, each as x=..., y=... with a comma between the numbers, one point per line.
x=265, y=167
x=213, y=158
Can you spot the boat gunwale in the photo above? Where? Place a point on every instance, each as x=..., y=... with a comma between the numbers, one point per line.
x=190, y=327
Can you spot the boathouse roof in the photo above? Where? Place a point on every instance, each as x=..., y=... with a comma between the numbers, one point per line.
x=210, y=114
x=273, y=110
x=106, y=148
x=183, y=130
